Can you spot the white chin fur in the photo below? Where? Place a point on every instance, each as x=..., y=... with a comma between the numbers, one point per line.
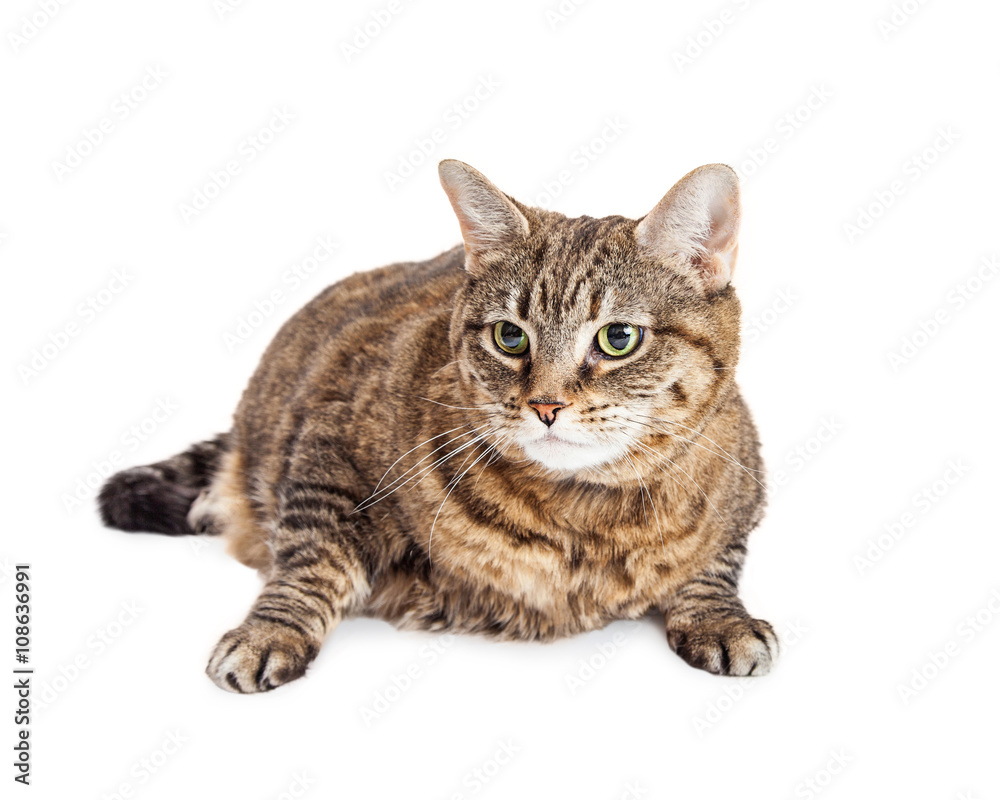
x=566, y=456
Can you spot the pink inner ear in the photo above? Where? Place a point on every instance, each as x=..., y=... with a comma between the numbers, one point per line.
x=698, y=220
x=724, y=218
x=721, y=243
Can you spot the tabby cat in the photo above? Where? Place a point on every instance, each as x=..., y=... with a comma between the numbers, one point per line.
x=528, y=436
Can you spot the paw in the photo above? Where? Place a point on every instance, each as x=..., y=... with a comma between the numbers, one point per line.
x=259, y=656
x=727, y=646
x=208, y=514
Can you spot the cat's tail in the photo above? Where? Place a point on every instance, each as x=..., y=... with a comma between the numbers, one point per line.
x=157, y=497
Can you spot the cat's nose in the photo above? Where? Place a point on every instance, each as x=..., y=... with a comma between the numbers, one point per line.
x=546, y=410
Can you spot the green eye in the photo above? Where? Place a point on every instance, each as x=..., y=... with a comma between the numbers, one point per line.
x=619, y=338
x=510, y=338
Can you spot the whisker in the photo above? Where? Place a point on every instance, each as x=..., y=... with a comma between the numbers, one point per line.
x=724, y=454
x=430, y=536
x=666, y=461
x=441, y=369
x=388, y=490
x=432, y=452
x=484, y=407
x=481, y=437
x=643, y=487
x=426, y=441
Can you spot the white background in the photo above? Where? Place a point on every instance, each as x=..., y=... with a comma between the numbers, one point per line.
x=595, y=107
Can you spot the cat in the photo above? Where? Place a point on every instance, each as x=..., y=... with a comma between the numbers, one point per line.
x=531, y=435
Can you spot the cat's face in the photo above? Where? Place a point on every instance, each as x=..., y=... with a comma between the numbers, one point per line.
x=577, y=340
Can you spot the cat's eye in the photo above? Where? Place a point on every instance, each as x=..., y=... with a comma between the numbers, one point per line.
x=510, y=338
x=619, y=339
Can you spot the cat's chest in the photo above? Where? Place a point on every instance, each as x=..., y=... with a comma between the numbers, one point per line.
x=574, y=573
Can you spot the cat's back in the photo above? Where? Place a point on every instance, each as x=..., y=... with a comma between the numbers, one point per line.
x=342, y=337
x=384, y=295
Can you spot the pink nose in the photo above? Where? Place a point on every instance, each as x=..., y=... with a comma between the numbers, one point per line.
x=546, y=411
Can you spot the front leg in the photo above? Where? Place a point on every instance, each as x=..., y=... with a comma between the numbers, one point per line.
x=318, y=576
x=710, y=629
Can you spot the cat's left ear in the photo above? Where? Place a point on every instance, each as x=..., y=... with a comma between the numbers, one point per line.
x=697, y=221
x=488, y=218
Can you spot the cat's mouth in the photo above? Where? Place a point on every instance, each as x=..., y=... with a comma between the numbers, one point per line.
x=560, y=453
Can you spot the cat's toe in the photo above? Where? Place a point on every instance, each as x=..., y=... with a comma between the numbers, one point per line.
x=729, y=646
x=259, y=657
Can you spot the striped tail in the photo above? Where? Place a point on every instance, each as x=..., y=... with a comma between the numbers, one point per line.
x=157, y=497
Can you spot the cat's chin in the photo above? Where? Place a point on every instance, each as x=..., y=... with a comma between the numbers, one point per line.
x=564, y=455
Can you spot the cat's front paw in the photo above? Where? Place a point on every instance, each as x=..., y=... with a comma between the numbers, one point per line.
x=727, y=645
x=259, y=656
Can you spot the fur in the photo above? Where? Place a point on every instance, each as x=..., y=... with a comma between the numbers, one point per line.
x=386, y=458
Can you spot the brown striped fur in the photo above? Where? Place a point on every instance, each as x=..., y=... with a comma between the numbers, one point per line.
x=378, y=461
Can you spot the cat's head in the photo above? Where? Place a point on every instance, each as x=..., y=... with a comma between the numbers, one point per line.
x=580, y=341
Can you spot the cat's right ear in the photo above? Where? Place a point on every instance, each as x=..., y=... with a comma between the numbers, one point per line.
x=696, y=225
x=488, y=218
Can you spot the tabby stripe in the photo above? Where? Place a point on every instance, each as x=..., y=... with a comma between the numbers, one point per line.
x=292, y=604
x=315, y=580
x=304, y=503
x=714, y=581
x=312, y=486
x=287, y=623
x=523, y=299
x=692, y=339
x=679, y=394
x=302, y=561
x=568, y=302
x=492, y=517
x=319, y=596
x=304, y=521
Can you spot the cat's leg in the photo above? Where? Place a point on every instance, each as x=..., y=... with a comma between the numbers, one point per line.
x=319, y=575
x=709, y=628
